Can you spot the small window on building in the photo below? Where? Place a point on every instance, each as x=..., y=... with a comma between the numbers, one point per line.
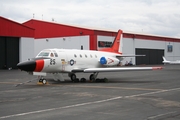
x=169, y=48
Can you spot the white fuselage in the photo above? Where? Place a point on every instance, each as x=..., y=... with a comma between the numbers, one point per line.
x=64, y=60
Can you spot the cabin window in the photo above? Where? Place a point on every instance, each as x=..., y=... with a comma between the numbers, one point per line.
x=95, y=56
x=86, y=56
x=75, y=55
x=91, y=56
x=80, y=55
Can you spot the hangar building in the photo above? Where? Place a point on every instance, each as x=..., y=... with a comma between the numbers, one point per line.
x=15, y=40
x=30, y=37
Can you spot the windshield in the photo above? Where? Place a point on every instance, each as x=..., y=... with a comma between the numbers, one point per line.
x=44, y=54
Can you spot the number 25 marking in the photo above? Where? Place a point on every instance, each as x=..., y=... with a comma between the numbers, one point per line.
x=52, y=62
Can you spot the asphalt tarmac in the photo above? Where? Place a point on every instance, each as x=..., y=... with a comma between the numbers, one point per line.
x=139, y=95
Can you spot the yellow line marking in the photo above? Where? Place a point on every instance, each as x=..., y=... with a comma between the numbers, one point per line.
x=125, y=88
x=85, y=86
x=9, y=82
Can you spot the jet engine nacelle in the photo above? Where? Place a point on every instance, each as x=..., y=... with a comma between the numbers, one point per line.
x=109, y=61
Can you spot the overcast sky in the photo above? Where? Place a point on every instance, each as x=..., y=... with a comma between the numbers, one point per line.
x=158, y=17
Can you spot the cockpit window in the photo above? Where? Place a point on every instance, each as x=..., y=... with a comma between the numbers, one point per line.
x=52, y=55
x=55, y=53
x=44, y=54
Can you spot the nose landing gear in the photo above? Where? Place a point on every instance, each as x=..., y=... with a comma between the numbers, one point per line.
x=42, y=80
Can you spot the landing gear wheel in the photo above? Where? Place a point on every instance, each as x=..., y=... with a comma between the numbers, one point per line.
x=105, y=80
x=44, y=81
x=40, y=80
x=73, y=77
x=83, y=80
x=91, y=78
x=77, y=80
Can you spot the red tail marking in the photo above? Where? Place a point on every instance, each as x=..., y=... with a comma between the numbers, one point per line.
x=115, y=45
x=157, y=68
x=39, y=65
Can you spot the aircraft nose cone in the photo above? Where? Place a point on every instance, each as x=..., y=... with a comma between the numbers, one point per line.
x=27, y=66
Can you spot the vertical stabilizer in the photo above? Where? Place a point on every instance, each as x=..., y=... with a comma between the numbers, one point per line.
x=165, y=61
x=117, y=44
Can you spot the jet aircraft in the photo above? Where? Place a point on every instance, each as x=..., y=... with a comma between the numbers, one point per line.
x=170, y=62
x=72, y=61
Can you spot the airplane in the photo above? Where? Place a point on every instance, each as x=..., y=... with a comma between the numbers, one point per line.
x=170, y=62
x=72, y=61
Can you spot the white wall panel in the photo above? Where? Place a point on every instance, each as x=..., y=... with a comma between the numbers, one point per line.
x=128, y=48
x=62, y=42
x=175, y=54
x=104, y=38
x=150, y=44
x=26, y=48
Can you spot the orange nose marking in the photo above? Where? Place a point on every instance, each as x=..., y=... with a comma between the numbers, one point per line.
x=39, y=65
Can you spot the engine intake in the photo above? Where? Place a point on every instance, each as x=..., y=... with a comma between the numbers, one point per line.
x=109, y=61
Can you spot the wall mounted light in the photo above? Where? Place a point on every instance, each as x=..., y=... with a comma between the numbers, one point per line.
x=81, y=33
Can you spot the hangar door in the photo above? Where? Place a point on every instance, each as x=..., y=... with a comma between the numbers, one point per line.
x=153, y=56
x=9, y=52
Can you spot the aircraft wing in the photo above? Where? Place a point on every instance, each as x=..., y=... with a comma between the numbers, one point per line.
x=129, y=55
x=115, y=69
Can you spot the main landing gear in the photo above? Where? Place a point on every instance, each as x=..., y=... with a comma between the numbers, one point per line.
x=42, y=80
x=75, y=79
x=92, y=78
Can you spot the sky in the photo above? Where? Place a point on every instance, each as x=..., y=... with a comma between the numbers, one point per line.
x=157, y=17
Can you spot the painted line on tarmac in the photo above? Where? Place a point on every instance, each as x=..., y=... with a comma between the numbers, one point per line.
x=125, y=88
x=88, y=103
x=9, y=82
x=84, y=86
x=161, y=116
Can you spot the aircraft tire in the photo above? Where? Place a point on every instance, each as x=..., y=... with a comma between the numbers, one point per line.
x=73, y=77
x=105, y=80
x=44, y=81
x=77, y=80
x=83, y=80
x=91, y=78
x=40, y=80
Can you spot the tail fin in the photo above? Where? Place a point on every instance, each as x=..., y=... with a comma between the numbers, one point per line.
x=164, y=60
x=116, y=44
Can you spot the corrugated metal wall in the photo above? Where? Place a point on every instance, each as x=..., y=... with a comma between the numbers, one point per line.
x=10, y=33
x=14, y=29
x=45, y=29
x=153, y=56
x=9, y=52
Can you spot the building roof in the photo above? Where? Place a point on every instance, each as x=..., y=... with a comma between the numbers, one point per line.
x=14, y=29
x=134, y=35
x=44, y=29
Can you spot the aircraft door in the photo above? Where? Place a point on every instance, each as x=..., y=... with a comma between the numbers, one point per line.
x=63, y=61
